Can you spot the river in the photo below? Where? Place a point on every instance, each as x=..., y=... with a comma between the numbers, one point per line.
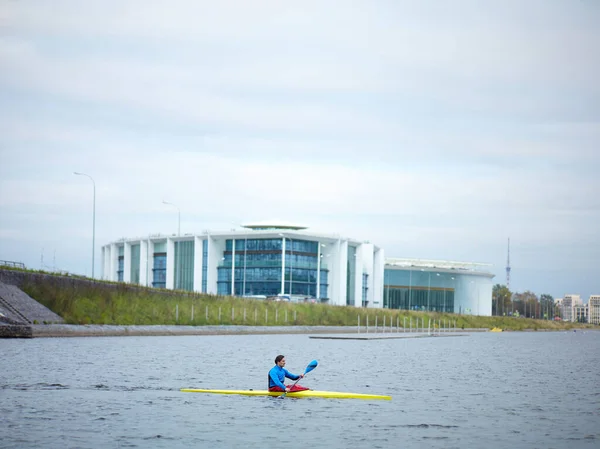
x=492, y=390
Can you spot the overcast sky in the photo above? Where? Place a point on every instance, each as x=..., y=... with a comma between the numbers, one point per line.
x=434, y=129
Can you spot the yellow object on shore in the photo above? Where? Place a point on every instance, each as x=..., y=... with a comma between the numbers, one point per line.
x=495, y=329
x=297, y=394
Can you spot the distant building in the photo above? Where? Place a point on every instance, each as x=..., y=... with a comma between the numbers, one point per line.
x=568, y=305
x=594, y=309
x=287, y=261
x=437, y=285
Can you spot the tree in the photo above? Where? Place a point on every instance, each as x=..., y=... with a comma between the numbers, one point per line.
x=547, y=306
x=527, y=304
x=501, y=300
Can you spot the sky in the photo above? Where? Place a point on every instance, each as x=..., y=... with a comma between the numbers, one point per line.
x=433, y=129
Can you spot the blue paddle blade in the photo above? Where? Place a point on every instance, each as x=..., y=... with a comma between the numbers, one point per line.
x=311, y=366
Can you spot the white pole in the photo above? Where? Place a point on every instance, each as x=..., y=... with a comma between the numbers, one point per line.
x=358, y=326
x=192, y=312
x=176, y=313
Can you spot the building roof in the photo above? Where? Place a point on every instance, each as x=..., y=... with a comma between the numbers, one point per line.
x=430, y=264
x=274, y=224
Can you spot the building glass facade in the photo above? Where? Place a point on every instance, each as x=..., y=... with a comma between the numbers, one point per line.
x=121, y=263
x=184, y=266
x=351, y=275
x=134, y=271
x=204, y=266
x=418, y=290
x=159, y=270
x=257, y=266
x=365, y=289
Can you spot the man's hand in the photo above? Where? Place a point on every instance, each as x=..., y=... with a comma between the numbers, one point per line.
x=301, y=376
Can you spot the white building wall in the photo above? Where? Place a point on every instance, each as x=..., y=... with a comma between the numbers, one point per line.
x=364, y=265
x=170, y=283
x=472, y=295
x=216, y=247
x=150, y=262
x=338, y=273
x=376, y=286
x=105, y=262
x=144, y=262
x=114, y=261
x=198, y=264
x=127, y=262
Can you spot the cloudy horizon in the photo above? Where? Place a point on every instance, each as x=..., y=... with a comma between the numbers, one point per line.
x=435, y=130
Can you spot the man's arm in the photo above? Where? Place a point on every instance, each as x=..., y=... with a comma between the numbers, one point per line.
x=292, y=376
x=275, y=378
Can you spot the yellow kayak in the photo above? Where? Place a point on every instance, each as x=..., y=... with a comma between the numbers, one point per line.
x=297, y=394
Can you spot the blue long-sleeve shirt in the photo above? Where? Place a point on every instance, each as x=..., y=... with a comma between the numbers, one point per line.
x=277, y=375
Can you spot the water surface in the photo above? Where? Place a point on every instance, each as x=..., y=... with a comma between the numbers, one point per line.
x=517, y=390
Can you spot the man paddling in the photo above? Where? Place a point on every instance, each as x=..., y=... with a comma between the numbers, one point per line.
x=277, y=376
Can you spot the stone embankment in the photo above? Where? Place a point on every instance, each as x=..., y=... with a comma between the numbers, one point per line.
x=94, y=330
x=18, y=312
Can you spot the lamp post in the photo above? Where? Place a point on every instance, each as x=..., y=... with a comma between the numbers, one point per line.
x=178, y=217
x=93, y=219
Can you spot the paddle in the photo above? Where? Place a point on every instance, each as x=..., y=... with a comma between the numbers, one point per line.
x=311, y=366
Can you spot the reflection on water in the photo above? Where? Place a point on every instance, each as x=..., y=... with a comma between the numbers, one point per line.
x=519, y=390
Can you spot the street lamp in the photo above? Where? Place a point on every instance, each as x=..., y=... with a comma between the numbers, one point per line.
x=178, y=216
x=93, y=219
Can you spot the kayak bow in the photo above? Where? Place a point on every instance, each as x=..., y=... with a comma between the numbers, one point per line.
x=297, y=394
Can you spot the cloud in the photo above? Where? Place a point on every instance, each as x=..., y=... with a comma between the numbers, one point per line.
x=432, y=129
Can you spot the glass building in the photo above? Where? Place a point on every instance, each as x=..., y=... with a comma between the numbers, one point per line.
x=437, y=286
x=287, y=261
x=261, y=261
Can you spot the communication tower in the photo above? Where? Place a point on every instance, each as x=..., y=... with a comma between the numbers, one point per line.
x=508, y=266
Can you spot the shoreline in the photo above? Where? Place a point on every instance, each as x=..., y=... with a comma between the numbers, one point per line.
x=94, y=330
x=109, y=330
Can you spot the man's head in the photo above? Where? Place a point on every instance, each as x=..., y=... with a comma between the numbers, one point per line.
x=280, y=360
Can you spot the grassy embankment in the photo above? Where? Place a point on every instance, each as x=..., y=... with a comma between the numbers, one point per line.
x=110, y=303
